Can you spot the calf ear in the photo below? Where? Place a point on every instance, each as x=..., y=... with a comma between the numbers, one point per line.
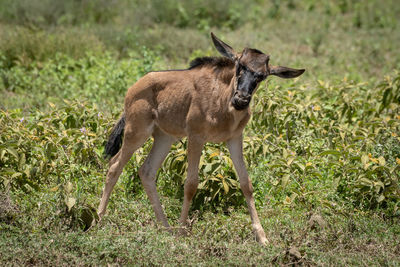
x=223, y=48
x=285, y=72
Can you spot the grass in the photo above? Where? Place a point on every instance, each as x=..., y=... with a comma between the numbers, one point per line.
x=128, y=236
x=322, y=150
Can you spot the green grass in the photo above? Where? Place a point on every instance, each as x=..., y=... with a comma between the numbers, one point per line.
x=323, y=150
x=128, y=236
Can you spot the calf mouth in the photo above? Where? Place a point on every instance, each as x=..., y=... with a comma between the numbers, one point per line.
x=240, y=103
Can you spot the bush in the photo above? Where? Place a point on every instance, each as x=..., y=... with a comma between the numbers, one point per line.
x=22, y=46
x=340, y=140
x=343, y=134
x=44, y=13
x=99, y=79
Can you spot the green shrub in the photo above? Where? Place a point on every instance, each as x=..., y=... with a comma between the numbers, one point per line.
x=338, y=140
x=326, y=134
x=25, y=47
x=41, y=148
x=99, y=79
x=44, y=13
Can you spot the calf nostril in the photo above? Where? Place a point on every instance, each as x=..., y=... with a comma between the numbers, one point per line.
x=245, y=98
x=243, y=101
x=242, y=95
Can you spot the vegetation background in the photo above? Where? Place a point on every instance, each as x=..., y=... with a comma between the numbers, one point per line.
x=323, y=150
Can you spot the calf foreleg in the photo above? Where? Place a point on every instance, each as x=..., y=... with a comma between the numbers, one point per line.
x=236, y=150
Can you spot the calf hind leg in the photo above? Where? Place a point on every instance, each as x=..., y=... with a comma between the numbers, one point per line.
x=195, y=147
x=161, y=146
x=132, y=141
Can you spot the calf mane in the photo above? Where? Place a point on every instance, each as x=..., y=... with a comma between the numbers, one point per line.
x=218, y=62
x=222, y=67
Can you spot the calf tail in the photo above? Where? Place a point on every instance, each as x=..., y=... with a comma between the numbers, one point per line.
x=115, y=140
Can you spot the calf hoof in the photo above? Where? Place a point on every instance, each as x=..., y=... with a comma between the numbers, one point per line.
x=262, y=241
x=260, y=237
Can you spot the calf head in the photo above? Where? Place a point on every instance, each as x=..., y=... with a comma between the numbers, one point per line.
x=251, y=68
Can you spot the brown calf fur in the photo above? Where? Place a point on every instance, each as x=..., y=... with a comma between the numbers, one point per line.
x=208, y=102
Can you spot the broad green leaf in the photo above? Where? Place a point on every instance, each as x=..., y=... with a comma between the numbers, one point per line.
x=226, y=187
x=330, y=152
x=70, y=202
x=228, y=160
x=285, y=179
x=342, y=135
x=2, y=153
x=207, y=168
x=68, y=187
x=13, y=152
x=22, y=161
x=381, y=198
x=366, y=181
x=16, y=174
x=382, y=161
x=284, y=153
x=180, y=158
x=274, y=166
x=364, y=159
x=299, y=166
